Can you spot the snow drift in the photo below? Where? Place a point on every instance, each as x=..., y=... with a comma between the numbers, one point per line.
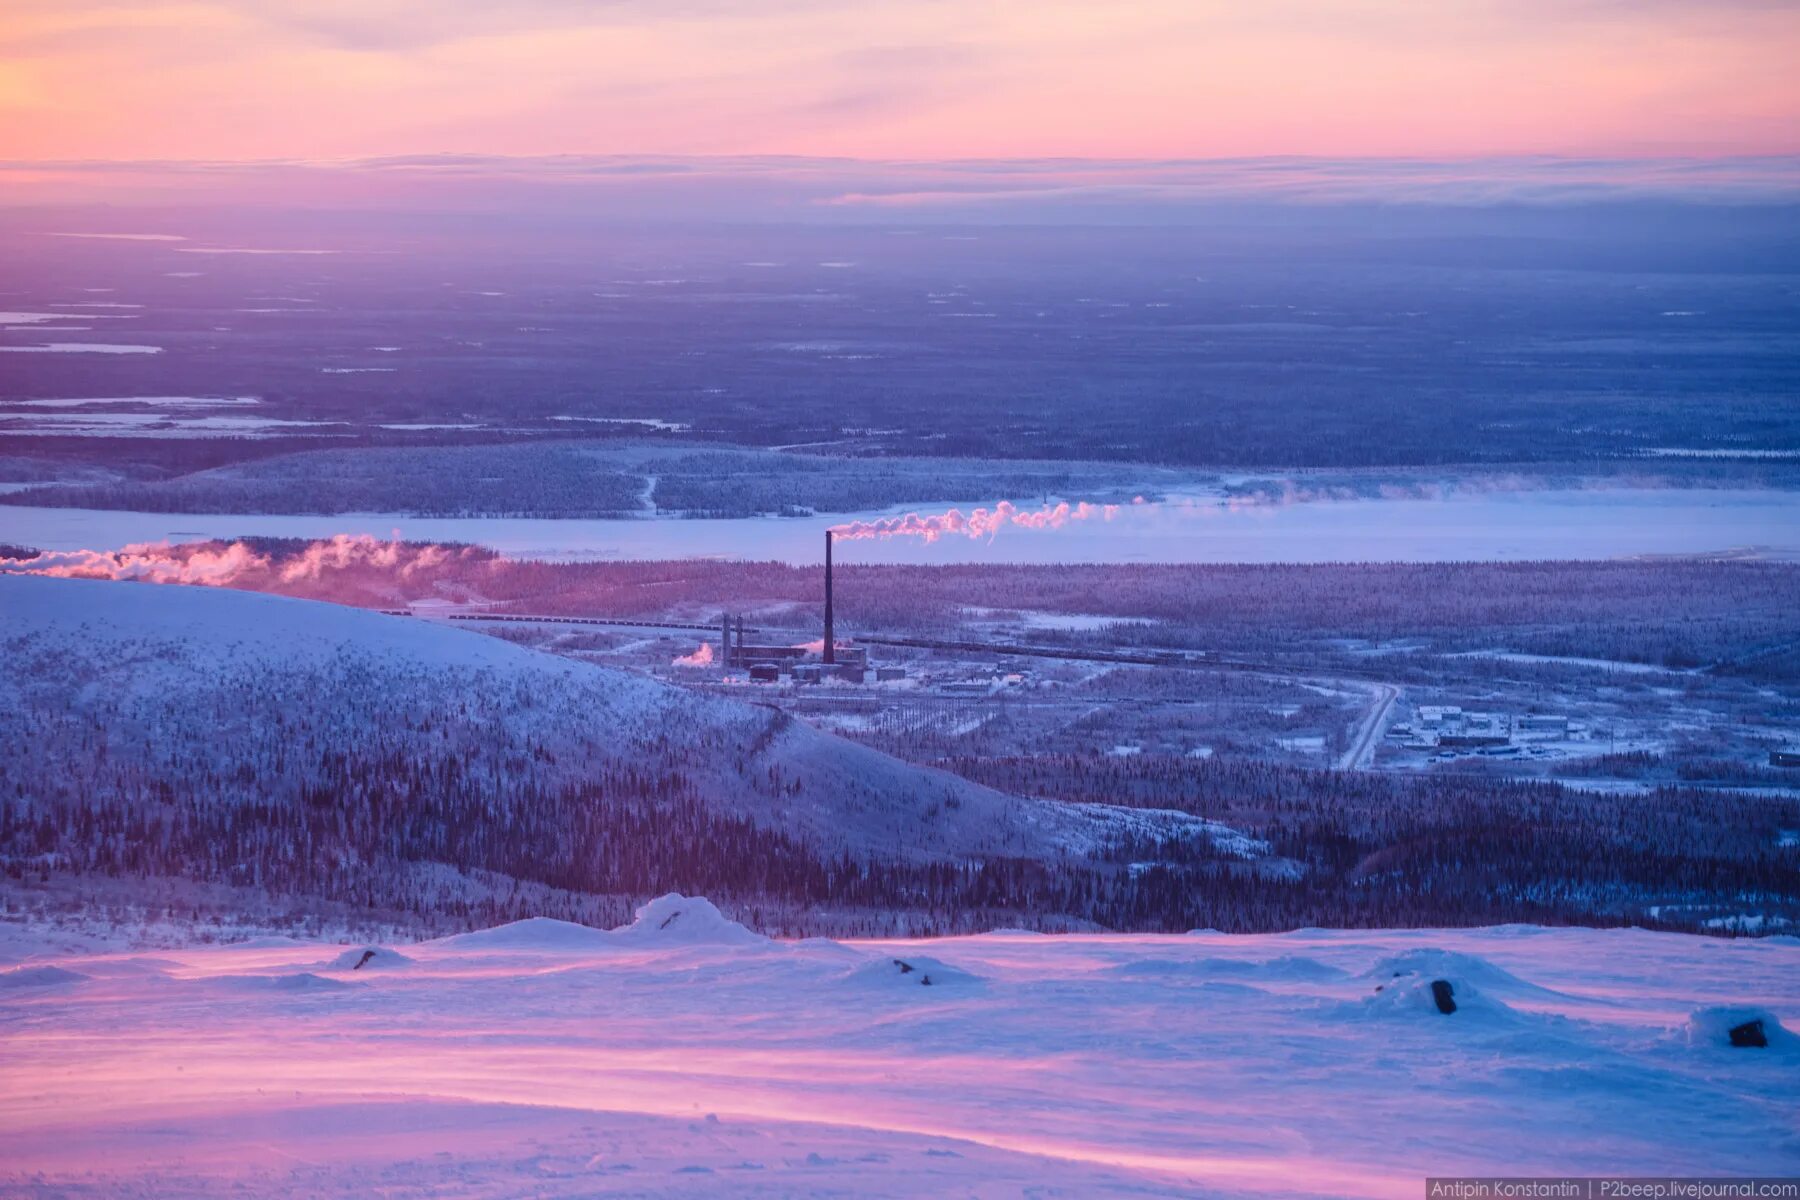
x=1461, y=969
x=370, y=958
x=668, y=921
x=1433, y=982
x=886, y=972
x=531, y=934
x=679, y=1056
x=677, y=920
x=19, y=978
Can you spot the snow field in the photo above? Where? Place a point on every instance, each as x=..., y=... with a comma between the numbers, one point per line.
x=683, y=1055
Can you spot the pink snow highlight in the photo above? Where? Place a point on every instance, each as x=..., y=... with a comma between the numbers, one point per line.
x=546, y=1058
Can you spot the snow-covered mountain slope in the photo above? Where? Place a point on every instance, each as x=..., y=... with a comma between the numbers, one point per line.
x=395, y=737
x=684, y=1056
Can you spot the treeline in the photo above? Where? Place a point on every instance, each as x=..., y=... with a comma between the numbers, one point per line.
x=1376, y=848
x=1370, y=852
x=737, y=483
x=518, y=480
x=577, y=480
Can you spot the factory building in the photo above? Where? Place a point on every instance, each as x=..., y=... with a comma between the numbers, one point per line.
x=1482, y=736
x=768, y=662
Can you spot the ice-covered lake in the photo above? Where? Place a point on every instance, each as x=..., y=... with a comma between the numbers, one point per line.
x=1551, y=524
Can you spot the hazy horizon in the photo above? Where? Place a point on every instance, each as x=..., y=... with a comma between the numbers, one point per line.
x=764, y=189
x=311, y=79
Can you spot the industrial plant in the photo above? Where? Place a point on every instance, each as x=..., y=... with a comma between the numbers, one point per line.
x=769, y=662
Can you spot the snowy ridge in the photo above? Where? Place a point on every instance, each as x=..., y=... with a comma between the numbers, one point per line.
x=212, y=668
x=684, y=1056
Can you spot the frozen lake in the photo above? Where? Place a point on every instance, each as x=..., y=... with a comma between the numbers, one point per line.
x=1512, y=526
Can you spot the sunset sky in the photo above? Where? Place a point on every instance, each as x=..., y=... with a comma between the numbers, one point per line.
x=937, y=79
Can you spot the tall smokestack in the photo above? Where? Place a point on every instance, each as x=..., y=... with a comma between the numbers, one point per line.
x=830, y=633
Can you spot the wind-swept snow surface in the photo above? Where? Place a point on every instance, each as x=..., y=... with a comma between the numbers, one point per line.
x=685, y=1056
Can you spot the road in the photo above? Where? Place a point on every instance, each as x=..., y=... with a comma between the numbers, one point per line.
x=1374, y=724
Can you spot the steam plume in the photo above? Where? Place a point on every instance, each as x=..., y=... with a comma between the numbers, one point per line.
x=703, y=657
x=344, y=551
x=979, y=523
x=239, y=564
x=1258, y=495
x=151, y=562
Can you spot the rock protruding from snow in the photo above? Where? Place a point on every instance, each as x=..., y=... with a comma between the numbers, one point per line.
x=1740, y=1027
x=370, y=958
x=677, y=920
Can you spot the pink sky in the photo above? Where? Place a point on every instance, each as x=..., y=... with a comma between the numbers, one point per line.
x=259, y=79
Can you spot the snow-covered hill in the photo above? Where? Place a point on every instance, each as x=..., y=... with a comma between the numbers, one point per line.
x=685, y=1056
x=261, y=740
